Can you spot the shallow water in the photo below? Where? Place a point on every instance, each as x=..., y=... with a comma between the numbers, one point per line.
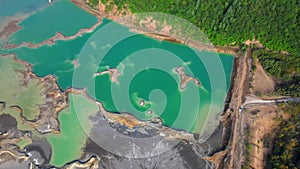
x=13, y=10
x=67, y=145
x=10, y=9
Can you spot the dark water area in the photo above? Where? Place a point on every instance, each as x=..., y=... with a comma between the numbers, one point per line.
x=43, y=148
x=7, y=122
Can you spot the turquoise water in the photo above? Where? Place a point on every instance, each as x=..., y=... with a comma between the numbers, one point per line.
x=9, y=8
x=61, y=16
x=68, y=145
x=12, y=10
x=146, y=66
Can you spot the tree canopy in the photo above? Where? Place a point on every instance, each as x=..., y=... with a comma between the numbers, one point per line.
x=286, y=150
x=275, y=23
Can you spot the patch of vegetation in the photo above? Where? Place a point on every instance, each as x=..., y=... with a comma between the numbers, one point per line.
x=285, y=68
x=286, y=151
x=93, y=3
x=279, y=65
x=24, y=142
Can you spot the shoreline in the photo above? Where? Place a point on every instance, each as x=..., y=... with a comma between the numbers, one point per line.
x=59, y=36
x=52, y=40
x=130, y=121
x=164, y=36
x=51, y=90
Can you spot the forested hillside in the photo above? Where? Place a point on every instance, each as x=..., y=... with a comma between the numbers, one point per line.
x=275, y=23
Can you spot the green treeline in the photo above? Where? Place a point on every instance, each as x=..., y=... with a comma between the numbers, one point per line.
x=275, y=23
x=286, y=150
x=284, y=68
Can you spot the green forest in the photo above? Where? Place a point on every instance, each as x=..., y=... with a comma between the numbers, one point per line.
x=275, y=23
x=94, y=3
x=286, y=150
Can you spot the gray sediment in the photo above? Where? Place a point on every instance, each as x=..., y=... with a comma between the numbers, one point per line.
x=7, y=122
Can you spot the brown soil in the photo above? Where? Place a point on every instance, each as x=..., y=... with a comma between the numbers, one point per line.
x=10, y=28
x=234, y=147
x=262, y=83
x=100, y=12
x=125, y=120
x=254, y=42
x=260, y=122
x=184, y=78
x=217, y=158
